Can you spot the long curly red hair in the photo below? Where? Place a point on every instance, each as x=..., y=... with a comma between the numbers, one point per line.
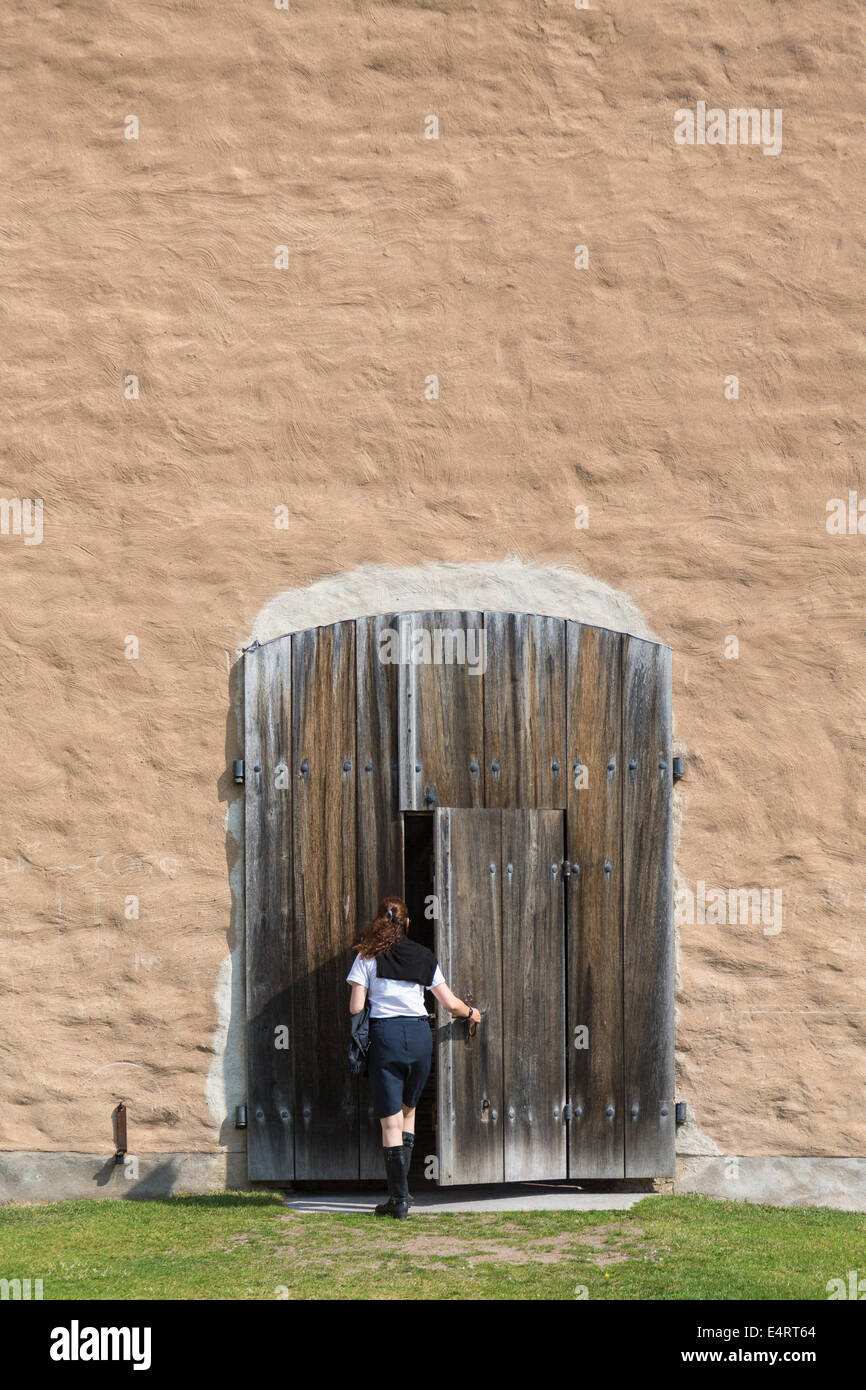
x=390, y=923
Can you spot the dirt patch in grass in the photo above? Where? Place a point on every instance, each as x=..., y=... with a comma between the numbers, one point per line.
x=546, y=1251
x=386, y=1247
x=600, y=1236
x=605, y=1243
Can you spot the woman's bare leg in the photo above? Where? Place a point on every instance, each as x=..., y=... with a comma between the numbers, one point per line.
x=408, y=1120
x=392, y=1130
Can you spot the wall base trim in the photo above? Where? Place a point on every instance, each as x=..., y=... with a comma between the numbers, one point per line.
x=61, y=1177
x=777, y=1181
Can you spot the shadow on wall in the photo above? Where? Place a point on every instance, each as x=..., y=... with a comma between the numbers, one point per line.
x=156, y=1182
x=226, y=1082
x=175, y=1175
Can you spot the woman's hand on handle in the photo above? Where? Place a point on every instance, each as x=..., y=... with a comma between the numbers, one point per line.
x=456, y=1006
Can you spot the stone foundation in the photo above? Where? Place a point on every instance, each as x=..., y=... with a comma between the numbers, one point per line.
x=60, y=1177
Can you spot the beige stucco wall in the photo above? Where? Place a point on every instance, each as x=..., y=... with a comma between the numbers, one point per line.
x=304, y=388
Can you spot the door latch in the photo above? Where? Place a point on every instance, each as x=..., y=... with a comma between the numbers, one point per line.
x=472, y=1028
x=471, y=1002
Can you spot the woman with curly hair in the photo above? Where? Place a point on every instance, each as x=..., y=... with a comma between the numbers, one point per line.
x=395, y=971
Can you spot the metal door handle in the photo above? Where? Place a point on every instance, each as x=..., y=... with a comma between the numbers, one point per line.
x=470, y=1002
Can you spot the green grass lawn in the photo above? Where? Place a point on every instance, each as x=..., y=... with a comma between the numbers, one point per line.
x=248, y=1246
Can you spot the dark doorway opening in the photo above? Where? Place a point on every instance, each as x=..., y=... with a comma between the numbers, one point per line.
x=419, y=878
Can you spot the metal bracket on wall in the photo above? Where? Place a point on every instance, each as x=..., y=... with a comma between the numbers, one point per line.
x=239, y=771
x=118, y=1122
x=678, y=767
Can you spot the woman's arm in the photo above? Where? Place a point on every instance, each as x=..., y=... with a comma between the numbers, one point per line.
x=357, y=999
x=454, y=1005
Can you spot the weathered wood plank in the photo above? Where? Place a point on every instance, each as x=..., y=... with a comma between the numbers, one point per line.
x=595, y=966
x=469, y=947
x=380, y=838
x=441, y=712
x=524, y=710
x=325, y=917
x=648, y=911
x=408, y=722
x=533, y=995
x=268, y=908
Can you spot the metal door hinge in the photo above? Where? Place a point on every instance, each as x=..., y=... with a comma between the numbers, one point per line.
x=239, y=771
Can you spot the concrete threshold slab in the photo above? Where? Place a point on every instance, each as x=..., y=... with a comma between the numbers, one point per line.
x=498, y=1197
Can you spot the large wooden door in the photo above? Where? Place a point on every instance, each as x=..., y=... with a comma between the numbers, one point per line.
x=551, y=740
x=501, y=1094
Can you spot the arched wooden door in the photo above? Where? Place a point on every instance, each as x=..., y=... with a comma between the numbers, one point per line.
x=529, y=731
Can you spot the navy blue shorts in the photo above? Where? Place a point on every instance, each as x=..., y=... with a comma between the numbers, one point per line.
x=400, y=1055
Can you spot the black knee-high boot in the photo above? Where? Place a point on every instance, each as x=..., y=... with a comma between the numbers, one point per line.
x=397, y=1204
x=408, y=1147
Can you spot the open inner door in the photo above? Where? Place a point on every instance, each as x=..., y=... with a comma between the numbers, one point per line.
x=500, y=932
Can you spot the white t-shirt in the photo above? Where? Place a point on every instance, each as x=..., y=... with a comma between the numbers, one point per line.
x=391, y=998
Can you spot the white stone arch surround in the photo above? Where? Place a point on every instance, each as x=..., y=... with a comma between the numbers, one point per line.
x=511, y=585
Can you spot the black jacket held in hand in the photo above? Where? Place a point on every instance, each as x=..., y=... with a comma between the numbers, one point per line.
x=359, y=1044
